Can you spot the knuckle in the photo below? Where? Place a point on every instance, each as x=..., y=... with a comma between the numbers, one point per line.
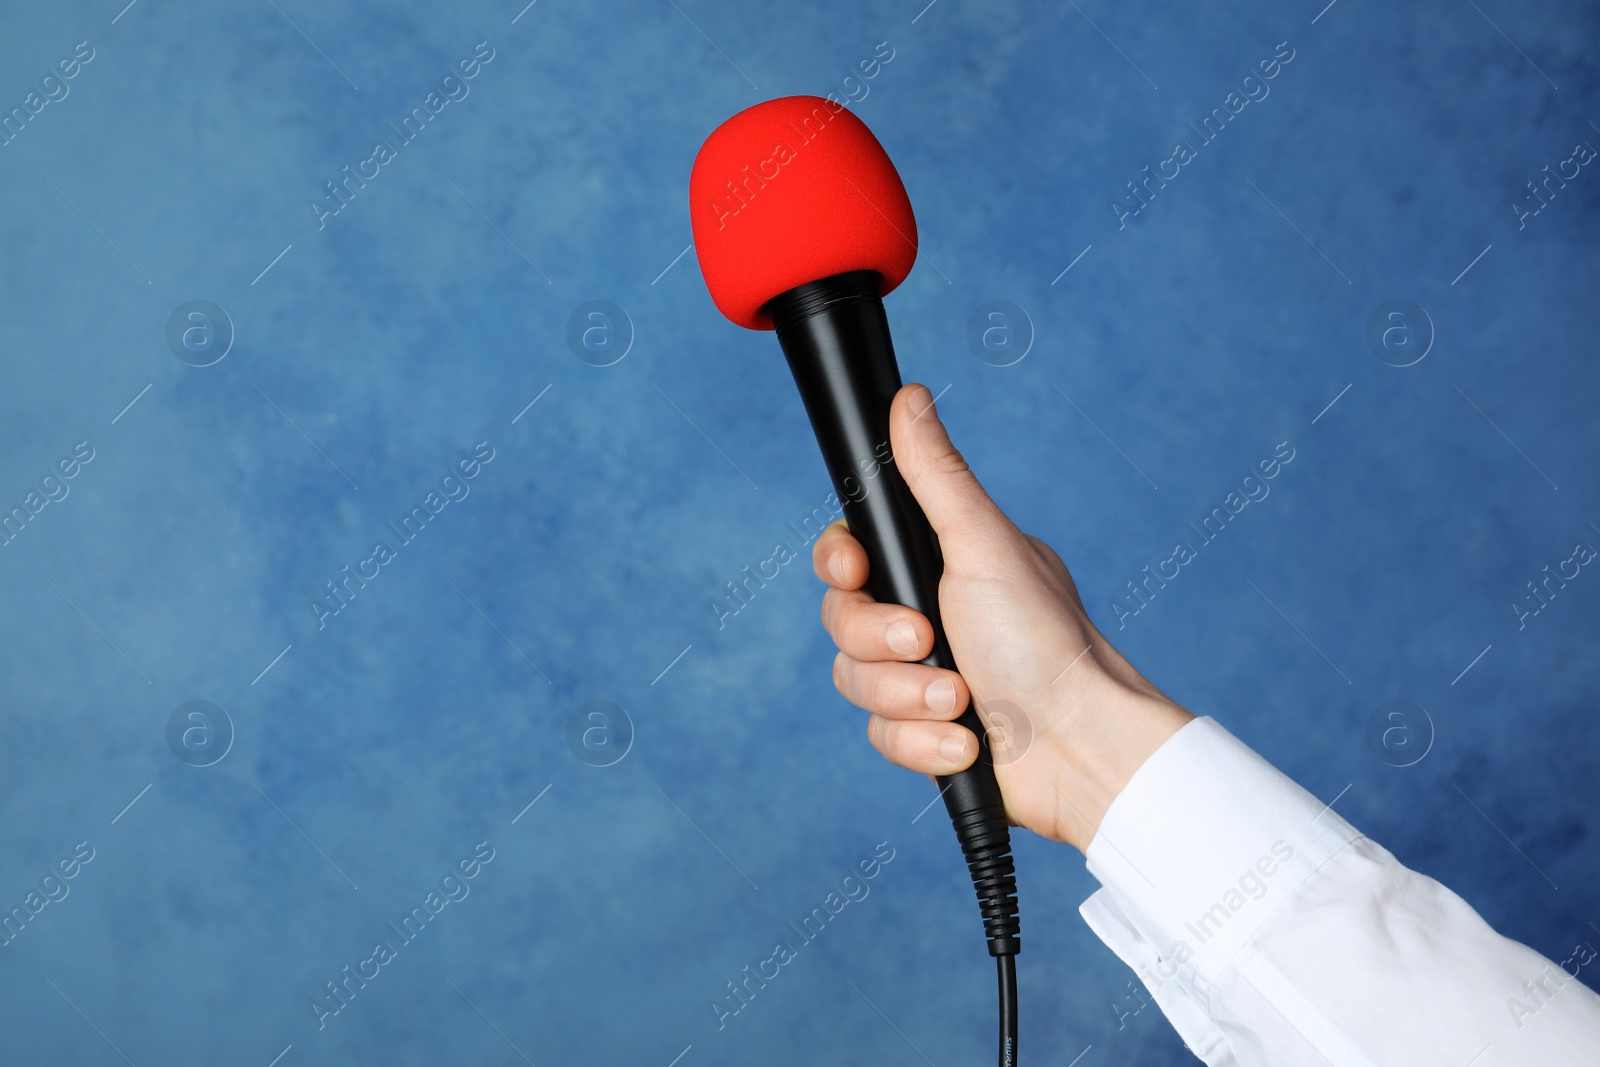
x=877, y=734
x=948, y=460
x=873, y=635
x=888, y=738
x=836, y=614
x=879, y=692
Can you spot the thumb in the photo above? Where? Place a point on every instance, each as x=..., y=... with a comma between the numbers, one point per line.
x=956, y=504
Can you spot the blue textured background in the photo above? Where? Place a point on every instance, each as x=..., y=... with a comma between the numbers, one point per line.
x=424, y=718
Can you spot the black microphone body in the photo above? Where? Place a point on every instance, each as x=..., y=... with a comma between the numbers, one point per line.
x=835, y=336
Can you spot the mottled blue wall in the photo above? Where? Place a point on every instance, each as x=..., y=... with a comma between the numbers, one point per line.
x=1384, y=163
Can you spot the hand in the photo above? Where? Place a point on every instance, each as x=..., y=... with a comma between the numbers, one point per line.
x=1069, y=719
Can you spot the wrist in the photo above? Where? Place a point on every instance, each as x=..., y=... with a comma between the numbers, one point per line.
x=1104, y=739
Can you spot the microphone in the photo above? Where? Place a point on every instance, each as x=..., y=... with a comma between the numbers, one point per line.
x=802, y=226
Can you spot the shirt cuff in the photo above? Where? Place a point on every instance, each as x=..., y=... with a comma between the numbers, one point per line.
x=1205, y=841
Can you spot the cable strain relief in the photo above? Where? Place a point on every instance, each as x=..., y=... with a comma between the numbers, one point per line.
x=985, y=838
x=1005, y=946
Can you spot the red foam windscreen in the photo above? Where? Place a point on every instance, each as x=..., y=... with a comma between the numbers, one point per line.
x=790, y=191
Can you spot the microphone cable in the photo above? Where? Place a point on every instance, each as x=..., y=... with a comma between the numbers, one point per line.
x=1007, y=966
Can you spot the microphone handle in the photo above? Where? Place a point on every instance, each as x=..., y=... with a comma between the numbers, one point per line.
x=835, y=336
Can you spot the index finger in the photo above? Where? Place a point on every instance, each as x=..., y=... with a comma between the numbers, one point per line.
x=838, y=558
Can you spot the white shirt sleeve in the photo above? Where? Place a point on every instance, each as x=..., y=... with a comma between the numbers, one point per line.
x=1272, y=933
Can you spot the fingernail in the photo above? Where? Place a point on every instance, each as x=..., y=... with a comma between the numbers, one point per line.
x=836, y=567
x=954, y=748
x=902, y=638
x=941, y=695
